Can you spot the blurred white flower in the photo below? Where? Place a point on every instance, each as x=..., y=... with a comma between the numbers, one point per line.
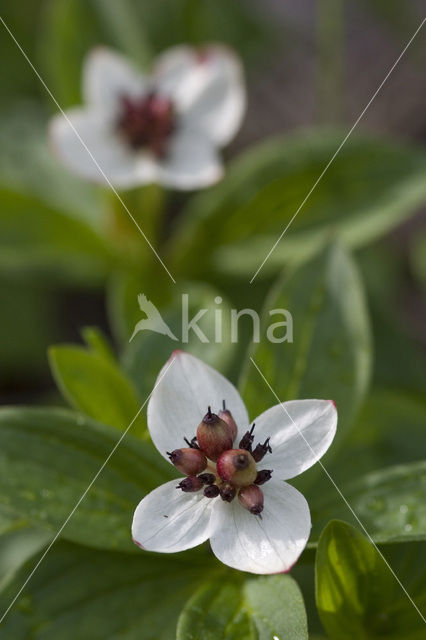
x=234, y=492
x=164, y=128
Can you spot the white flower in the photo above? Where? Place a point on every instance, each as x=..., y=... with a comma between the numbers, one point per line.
x=163, y=128
x=169, y=519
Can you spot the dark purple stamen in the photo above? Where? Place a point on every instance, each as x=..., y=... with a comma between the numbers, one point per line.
x=146, y=122
x=207, y=478
x=247, y=440
x=192, y=444
x=211, y=491
x=263, y=476
x=227, y=492
x=261, y=450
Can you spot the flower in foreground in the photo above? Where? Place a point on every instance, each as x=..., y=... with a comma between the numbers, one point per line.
x=234, y=491
x=163, y=128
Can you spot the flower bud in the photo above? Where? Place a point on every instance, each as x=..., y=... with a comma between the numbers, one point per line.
x=226, y=416
x=213, y=435
x=251, y=498
x=190, y=484
x=227, y=492
x=263, y=476
x=188, y=461
x=211, y=491
x=237, y=467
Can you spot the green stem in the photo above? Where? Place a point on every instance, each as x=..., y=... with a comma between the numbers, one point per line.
x=143, y=217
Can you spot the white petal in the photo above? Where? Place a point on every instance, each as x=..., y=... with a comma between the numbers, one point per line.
x=108, y=75
x=268, y=545
x=102, y=150
x=301, y=432
x=169, y=520
x=208, y=88
x=185, y=388
x=191, y=162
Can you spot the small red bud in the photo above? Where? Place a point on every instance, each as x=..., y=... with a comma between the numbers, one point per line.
x=251, y=498
x=189, y=461
x=226, y=416
x=227, y=492
x=213, y=435
x=237, y=467
x=190, y=484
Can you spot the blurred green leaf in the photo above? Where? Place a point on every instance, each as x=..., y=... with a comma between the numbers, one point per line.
x=258, y=609
x=79, y=593
x=29, y=166
x=330, y=353
x=68, y=29
x=369, y=189
x=48, y=458
x=197, y=22
x=390, y=429
x=125, y=31
x=418, y=259
x=96, y=387
x=17, y=78
x=390, y=504
x=356, y=591
x=38, y=239
x=148, y=351
x=98, y=343
x=27, y=325
x=19, y=541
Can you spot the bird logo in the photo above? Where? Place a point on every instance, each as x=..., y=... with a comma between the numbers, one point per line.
x=153, y=320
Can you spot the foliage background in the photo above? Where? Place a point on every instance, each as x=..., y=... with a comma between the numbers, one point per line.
x=311, y=68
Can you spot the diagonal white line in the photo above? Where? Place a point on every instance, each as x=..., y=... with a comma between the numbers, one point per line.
x=107, y=180
x=80, y=500
x=340, y=493
x=339, y=148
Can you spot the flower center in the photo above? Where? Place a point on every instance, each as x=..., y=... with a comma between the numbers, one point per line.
x=214, y=465
x=146, y=122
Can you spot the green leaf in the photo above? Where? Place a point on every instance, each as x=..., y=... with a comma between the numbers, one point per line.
x=49, y=457
x=418, y=259
x=38, y=239
x=60, y=53
x=19, y=541
x=195, y=22
x=356, y=590
x=125, y=31
x=95, y=386
x=259, y=609
x=370, y=187
x=98, y=343
x=389, y=430
x=330, y=353
x=28, y=166
x=390, y=503
x=79, y=593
